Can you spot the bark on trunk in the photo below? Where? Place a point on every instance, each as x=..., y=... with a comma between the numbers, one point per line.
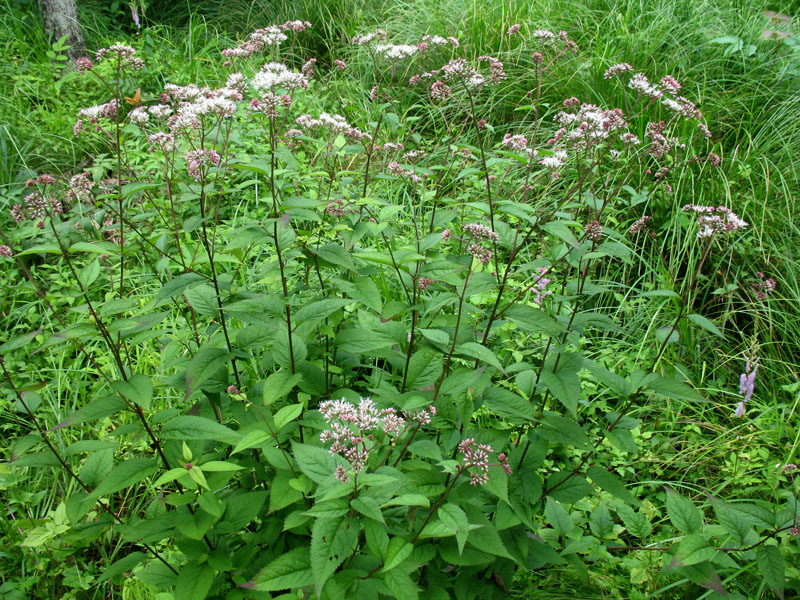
x=60, y=18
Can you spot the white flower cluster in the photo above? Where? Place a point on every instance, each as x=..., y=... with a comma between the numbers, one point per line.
x=274, y=76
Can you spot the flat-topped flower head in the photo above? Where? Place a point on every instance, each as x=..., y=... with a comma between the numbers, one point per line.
x=274, y=76
x=715, y=220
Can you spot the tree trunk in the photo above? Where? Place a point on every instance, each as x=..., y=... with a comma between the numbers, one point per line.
x=60, y=18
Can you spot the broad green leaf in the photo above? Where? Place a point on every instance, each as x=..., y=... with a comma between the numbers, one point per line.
x=193, y=525
x=673, y=388
x=251, y=439
x=278, y=385
x=479, y=352
x=623, y=440
x=685, y=516
x=772, y=567
x=563, y=382
x=138, y=389
x=290, y=571
x=99, y=408
x=701, y=321
x=202, y=366
x=177, y=285
x=281, y=494
x=507, y=404
x=563, y=430
x=368, y=507
x=281, y=352
x=530, y=318
x=122, y=476
x=424, y=368
x=318, y=311
x=194, y=581
x=600, y=521
x=332, y=542
x=437, y=336
x=573, y=488
x=734, y=522
x=611, y=483
x=216, y=466
x=635, y=522
x=455, y=519
x=203, y=299
x=335, y=255
x=126, y=563
x=705, y=575
x=409, y=500
x=360, y=340
x=557, y=517
x=396, y=552
x=693, y=549
x=18, y=342
x=316, y=462
x=377, y=538
x=97, y=467
x=191, y=427
x=401, y=585
x=286, y=415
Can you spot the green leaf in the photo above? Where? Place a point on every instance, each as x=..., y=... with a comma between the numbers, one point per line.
x=611, y=483
x=560, y=230
x=335, y=255
x=377, y=538
x=705, y=575
x=332, y=542
x=194, y=581
x=534, y=319
x=600, y=522
x=126, y=563
x=623, y=440
x=203, y=365
x=18, y=342
x=251, y=439
x=203, y=299
x=396, y=552
x=278, y=385
x=734, y=522
x=436, y=336
x=281, y=494
x=281, y=349
x=286, y=415
x=455, y=519
x=401, y=585
x=563, y=430
x=193, y=525
x=316, y=462
x=97, y=467
x=124, y=475
x=318, y=311
x=636, y=523
x=573, y=489
x=368, y=507
x=138, y=389
x=693, y=549
x=290, y=571
x=479, y=352
x=557, y=517
x=217, y=466
x=507, y=404
x=701, y=321
x=772, y=567
x=360, y=340
x=96, y=409
x=685, y=516
x=564, y=382
x=424, y=368
x=89, y=274
x=191, y=427
x=672, y=388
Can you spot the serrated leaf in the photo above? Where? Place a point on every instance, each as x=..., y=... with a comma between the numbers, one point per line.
x=18, y=342
x=316, y=462
x=203, y=365
x=611, y=483
x=507, y=404
x=203, y=299
x=705, y=575
x=278, y=385
x=122, y=476
x=318, y=311
x=191, y=427
x=455, y=519
x=623, y=440
x=138, y=389
x=126, y=563
x=332, y=542
x=479, y=352
x=557, y=517
x=377, y=538
x=401, y=585
x=368, y=507
x=635, y=522
x=194, y=581
x=573, y=488
x=286, y=415
x=600, y=522
x=281, y=494
x=563, y=430
x=290, y=571
x=737, y=526
x=563, y=382
x=683, y=514
x=396, y=552
x=693, y=549
x=251, y=439
x=770, y=563
x=96, y=409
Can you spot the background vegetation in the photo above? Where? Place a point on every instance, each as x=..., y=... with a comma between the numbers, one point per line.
x=737, y=59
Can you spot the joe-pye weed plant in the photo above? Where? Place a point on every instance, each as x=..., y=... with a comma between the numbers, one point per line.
x=382, y=365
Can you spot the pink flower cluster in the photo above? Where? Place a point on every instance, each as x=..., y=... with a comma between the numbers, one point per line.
x=640, y=225
x=747, y=382
x=713, y=221
x=476, y=460
x=763, y=286
x=197, y=159
x=480, y=232
x=125, y=56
